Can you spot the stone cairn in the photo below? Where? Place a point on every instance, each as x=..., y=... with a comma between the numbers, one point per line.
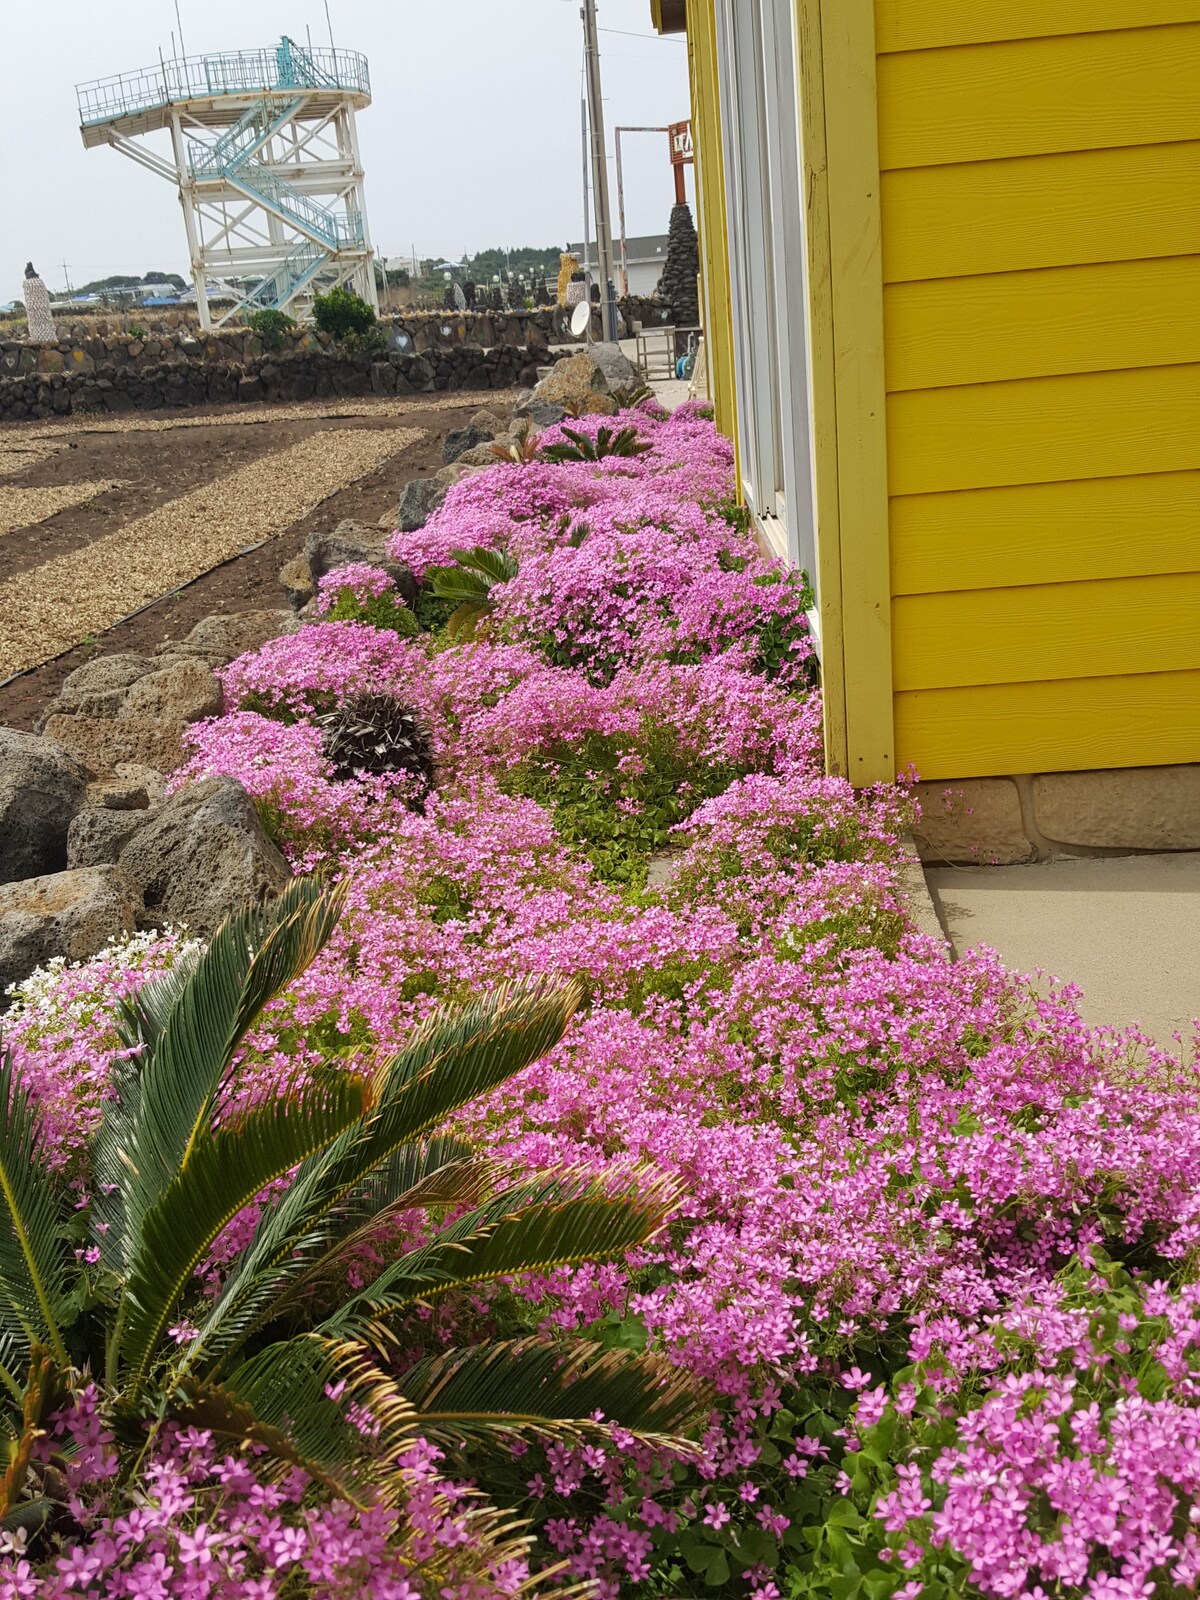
x=678, y=284
x=37, y=308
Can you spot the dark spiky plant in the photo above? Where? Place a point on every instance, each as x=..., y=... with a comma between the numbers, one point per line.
x=521, y=446
x=470, y=582
x=375, y=735
x=608, y=442
x=170, y=1167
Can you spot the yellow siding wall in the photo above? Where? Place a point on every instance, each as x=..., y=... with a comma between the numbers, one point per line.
x=1040, y=197
x=710, y=197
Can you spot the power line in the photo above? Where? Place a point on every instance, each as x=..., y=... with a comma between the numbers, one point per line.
x=663, y=38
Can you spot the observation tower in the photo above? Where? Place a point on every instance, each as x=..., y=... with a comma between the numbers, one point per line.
x=264, y=155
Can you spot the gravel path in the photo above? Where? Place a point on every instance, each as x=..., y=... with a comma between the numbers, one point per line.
x=16, y=434
x=66, y=599
x=24, y=508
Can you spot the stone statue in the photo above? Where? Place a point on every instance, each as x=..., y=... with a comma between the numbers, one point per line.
x=37, y=309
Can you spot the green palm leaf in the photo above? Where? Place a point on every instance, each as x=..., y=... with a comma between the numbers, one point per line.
x=223, y=1173
x=189, y=1032
x=440, y=1172
x=32, y=1256
x=480, y=1395
x=457, y=583
x=496, y=565
x=451, y=1060
x=557, y=1220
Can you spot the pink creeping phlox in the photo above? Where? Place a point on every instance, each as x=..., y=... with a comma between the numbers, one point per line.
x=889, y=1159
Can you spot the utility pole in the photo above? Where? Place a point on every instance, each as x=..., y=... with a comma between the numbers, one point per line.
x=604, y=247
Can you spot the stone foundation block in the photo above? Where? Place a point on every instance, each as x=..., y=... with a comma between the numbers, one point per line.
x=977, y=820
x=1134, y=808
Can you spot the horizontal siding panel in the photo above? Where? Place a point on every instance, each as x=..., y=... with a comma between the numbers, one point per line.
x=1041, y=211
x=1045, y=533
x=1033, y=324
x=928, y=24
x=1050, y=630
x=1068, y=726
x=1086, y=92
x=1039, y=430
x=1039, y=324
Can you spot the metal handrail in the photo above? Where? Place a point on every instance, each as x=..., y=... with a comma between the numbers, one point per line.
x=278, y=68
x=240, y=142
x=294, y=271
x=338, y=232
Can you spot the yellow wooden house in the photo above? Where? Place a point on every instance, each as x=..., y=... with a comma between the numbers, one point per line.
x=951, y=292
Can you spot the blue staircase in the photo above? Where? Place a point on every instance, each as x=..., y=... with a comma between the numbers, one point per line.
x=297, y=270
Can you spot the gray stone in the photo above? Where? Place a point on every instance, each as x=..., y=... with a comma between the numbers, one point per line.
x=488, y=421
x=183, y=691
x=118, y=794
x=353, y=541
x=296, y=582
x=103, y=675
x=228, y=634
x=460, y=440
x=70, y=914
x=481, y=456
x=98, y=834
x=42, y=786
x=148, y=778
x=544, y=413
x=103, y=743
x=202, y=856
x=421, y=498
x=615, y=367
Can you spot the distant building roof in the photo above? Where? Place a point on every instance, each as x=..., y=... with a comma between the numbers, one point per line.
x=640, y=247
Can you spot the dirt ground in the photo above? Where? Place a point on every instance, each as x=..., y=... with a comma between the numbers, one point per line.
x=158, y=466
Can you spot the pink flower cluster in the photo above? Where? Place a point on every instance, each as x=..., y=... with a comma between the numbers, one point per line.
x=890, y=1159
x=213, y=1526
x=361, y=581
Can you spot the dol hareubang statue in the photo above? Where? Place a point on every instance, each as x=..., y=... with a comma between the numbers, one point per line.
x=37, y=308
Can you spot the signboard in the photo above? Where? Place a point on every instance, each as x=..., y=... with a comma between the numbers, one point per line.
x=681, y=143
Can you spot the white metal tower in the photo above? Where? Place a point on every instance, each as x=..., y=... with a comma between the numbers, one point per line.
x=264, y=154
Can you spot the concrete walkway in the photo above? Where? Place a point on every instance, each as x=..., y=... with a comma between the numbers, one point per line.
x=1126, y=929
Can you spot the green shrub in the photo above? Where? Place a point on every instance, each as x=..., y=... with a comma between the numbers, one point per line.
x=380, y=610
x=270, y=325
x=342, y=312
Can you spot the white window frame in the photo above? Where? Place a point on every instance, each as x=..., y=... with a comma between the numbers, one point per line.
x=758, y=68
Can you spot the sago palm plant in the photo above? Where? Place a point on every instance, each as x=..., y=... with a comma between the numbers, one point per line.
x=470, y=583
x=260, y=1363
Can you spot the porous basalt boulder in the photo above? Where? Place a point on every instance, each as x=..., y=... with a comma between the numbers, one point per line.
x=42, y=786
x=352, y=542
x=460, y=440
x=104, y=743
x=69, y=914
x=98, y=835
x=421, y=498
x=104, y=675
x=183, y=689
x=296, y=581
x=201, y=856
x=224, y=635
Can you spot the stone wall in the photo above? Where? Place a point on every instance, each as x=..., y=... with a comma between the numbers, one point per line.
x=117, y=373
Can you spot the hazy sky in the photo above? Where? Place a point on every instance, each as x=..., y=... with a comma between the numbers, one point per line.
x=472, y=138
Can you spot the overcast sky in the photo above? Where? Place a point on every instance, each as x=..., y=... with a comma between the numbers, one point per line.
x=472, y=139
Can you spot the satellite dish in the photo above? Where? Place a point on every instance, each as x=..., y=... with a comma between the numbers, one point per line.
x=580, y=318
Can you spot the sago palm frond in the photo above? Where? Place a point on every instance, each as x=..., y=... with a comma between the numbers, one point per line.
x=224, y=1171
x=32, y=1255
x=536, y=1387
x=452, y=1059
x=186, y=1054
x=555, y=1220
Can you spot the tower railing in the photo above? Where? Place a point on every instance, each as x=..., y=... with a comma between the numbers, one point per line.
x=281, y=67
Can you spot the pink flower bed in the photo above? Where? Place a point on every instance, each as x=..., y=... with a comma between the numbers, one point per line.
x=936, y=1250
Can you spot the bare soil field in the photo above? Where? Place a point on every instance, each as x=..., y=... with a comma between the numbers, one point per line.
x=216, y=481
